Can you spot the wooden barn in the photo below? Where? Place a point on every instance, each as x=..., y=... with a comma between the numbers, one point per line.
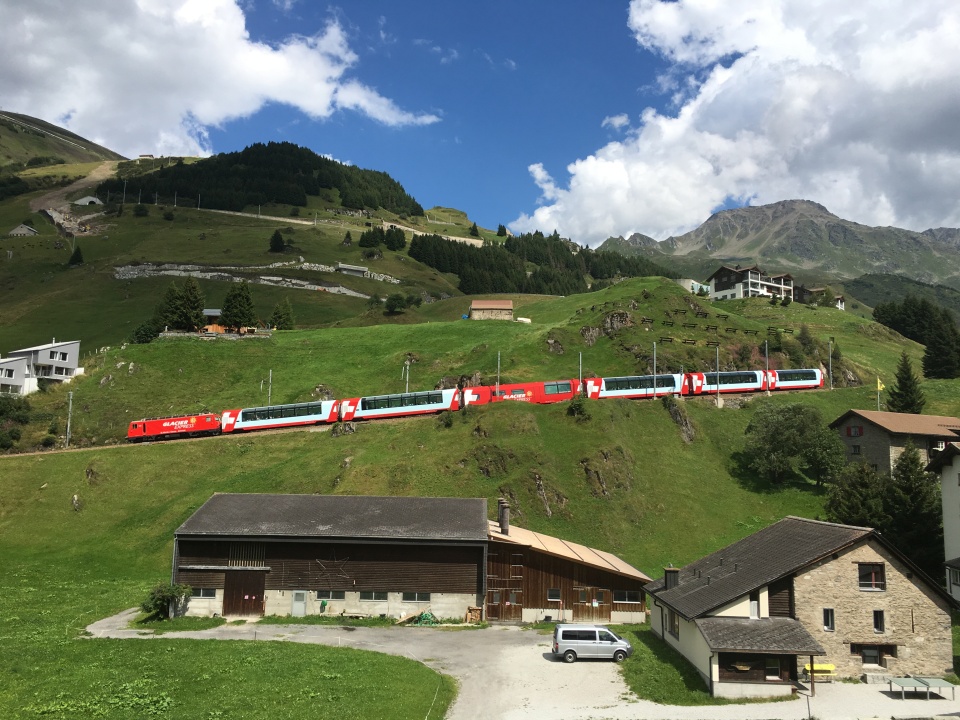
x=253, y=554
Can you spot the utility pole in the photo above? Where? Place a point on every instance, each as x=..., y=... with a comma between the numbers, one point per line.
x=654, y=370
x=498, y=373
x=269, y=387
x=766, y=364
x=718, y=375
x=405, y=372
x=69, y=417
x=830, y=364
x=124, y=193
x=174, y=199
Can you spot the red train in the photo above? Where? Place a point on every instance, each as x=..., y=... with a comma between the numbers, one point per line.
x=433, y=401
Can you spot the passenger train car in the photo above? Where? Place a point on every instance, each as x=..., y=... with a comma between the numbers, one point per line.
x=375, y=407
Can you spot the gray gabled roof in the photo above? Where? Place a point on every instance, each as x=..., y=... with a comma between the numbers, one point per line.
x=749, y=564
x=765, y=635
x=339, y=516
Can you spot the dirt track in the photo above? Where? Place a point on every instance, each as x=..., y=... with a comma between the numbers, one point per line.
x=58, y=197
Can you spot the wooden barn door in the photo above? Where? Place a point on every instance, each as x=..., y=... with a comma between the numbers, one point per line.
x=504, y=585
x=593, y=604
x=243, y=592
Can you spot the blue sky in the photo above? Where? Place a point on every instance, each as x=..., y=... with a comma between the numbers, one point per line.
x=513, y=83
x=595, y=120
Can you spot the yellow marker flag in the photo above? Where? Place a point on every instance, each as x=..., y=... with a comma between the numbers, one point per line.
x=880, y=385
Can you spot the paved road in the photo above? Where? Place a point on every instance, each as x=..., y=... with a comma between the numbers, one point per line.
x=506, y=673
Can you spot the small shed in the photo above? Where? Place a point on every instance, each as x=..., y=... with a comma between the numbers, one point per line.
x=357, y=270
x=22, y=230
x=88, y=200
x=211, y=321
x=491, y=310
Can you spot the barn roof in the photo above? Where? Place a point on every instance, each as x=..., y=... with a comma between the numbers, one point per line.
x=567, y=550
x=339, y=516
x=905, y=423
x=491, y=305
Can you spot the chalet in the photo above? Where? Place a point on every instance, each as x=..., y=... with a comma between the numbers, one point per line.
x=252, y=554
x=57, y=361
x=801, y=592
x=23, y=230
x=730, y=283
x=807, y=295
x=947, y=465
x=878, y=438
x=491, y=310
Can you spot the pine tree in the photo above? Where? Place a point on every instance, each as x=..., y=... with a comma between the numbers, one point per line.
x=942, y=356
x=857, y=498
x=282, y=317
x=237, y=311
x=191, y=307
x=906, y=396
x=276, y=242
x=170, y=309
x=76, y=258
x=474, y=230
x=916, y=514
x=501, y=230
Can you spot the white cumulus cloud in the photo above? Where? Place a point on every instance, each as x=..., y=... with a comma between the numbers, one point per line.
x=853, y=104
x=617, y=122
x=153, y=75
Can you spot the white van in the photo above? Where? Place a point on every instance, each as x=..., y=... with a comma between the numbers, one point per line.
x=572, y=642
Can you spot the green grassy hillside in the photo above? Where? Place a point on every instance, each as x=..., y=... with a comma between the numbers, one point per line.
x=624, y=480
x=23, y=138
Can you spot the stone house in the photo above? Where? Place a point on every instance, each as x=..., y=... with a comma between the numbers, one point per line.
x=256, y=554
x=491, y=310
x=947, y=465
x=730, y=283
x=798, y=592
x=878, y=438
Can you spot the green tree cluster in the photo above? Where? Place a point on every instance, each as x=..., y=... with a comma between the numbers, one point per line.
x=179, y=309
x=282, y=316
x=929, y=324
x=261, y=174
x=238, y=311
x=393, y=238
x=782, y=440
x=14, y=412
x=904, y=506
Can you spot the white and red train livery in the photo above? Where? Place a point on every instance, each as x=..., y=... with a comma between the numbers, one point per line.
x=374, y=407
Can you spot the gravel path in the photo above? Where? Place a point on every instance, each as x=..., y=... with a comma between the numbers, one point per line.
x=506, y=673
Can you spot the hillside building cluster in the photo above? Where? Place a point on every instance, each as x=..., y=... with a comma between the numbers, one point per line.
x=732, y=283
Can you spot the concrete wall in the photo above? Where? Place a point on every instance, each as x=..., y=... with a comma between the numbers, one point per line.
x=748, y=689
x=443, y=605
x=205, y=607
x=917, y=620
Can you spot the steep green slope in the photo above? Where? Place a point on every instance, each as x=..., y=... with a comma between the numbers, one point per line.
x=24, y=138
x=874, y=289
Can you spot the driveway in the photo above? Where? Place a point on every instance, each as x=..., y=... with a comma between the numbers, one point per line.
x=506, y=673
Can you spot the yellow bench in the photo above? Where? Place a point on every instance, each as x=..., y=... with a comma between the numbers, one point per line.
x=821, y=671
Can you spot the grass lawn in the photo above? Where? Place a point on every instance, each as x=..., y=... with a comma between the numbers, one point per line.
x=161, y=626
x=658, y=673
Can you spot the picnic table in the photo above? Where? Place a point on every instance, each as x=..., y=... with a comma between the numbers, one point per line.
x=921, y=684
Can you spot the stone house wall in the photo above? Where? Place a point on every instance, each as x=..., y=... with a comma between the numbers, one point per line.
x=916, y=619
x=491, y=314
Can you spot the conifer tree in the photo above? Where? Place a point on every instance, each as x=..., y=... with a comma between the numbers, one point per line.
x=237, y=311
x=76, y=258
x=501, y=230
x=857, y=497
x=916, y=514
x=906, y=396
x=170, y=309
x=282, y=317
x=276, y=242
x=191, y=307
x=474, y=230
x=942, y=356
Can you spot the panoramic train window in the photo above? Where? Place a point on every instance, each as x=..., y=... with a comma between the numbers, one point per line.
x=556, y=388
x=794, y=375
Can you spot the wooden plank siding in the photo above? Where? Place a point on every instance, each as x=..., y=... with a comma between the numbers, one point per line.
x=781, y=598
x=542, y=572
x=337, y=566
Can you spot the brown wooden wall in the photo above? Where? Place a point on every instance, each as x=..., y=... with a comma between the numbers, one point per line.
x=342, y=566
x=542, y=572
x=780, y=595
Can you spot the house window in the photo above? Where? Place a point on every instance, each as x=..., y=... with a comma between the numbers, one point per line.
x=331, y=595
x=601, y=596
x=630, y=596
x=416, y=597
x=755, y=604
x=855, y=449
x=829, y=622
x=204, y=592
x=773, y=668
x=873, y=654
x=878, y=621
x=373, y=595
x=553, y=595
x=583, y=596
x=954, y=576
x=8, y=373
x=673, y=623
x=855, y=431
x=53, y=355
x=872, y=576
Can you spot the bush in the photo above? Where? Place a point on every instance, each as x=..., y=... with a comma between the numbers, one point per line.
x=140, y=210
x=578, y=409
x=168, y=215
x=48, y=442
x=165, y=599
